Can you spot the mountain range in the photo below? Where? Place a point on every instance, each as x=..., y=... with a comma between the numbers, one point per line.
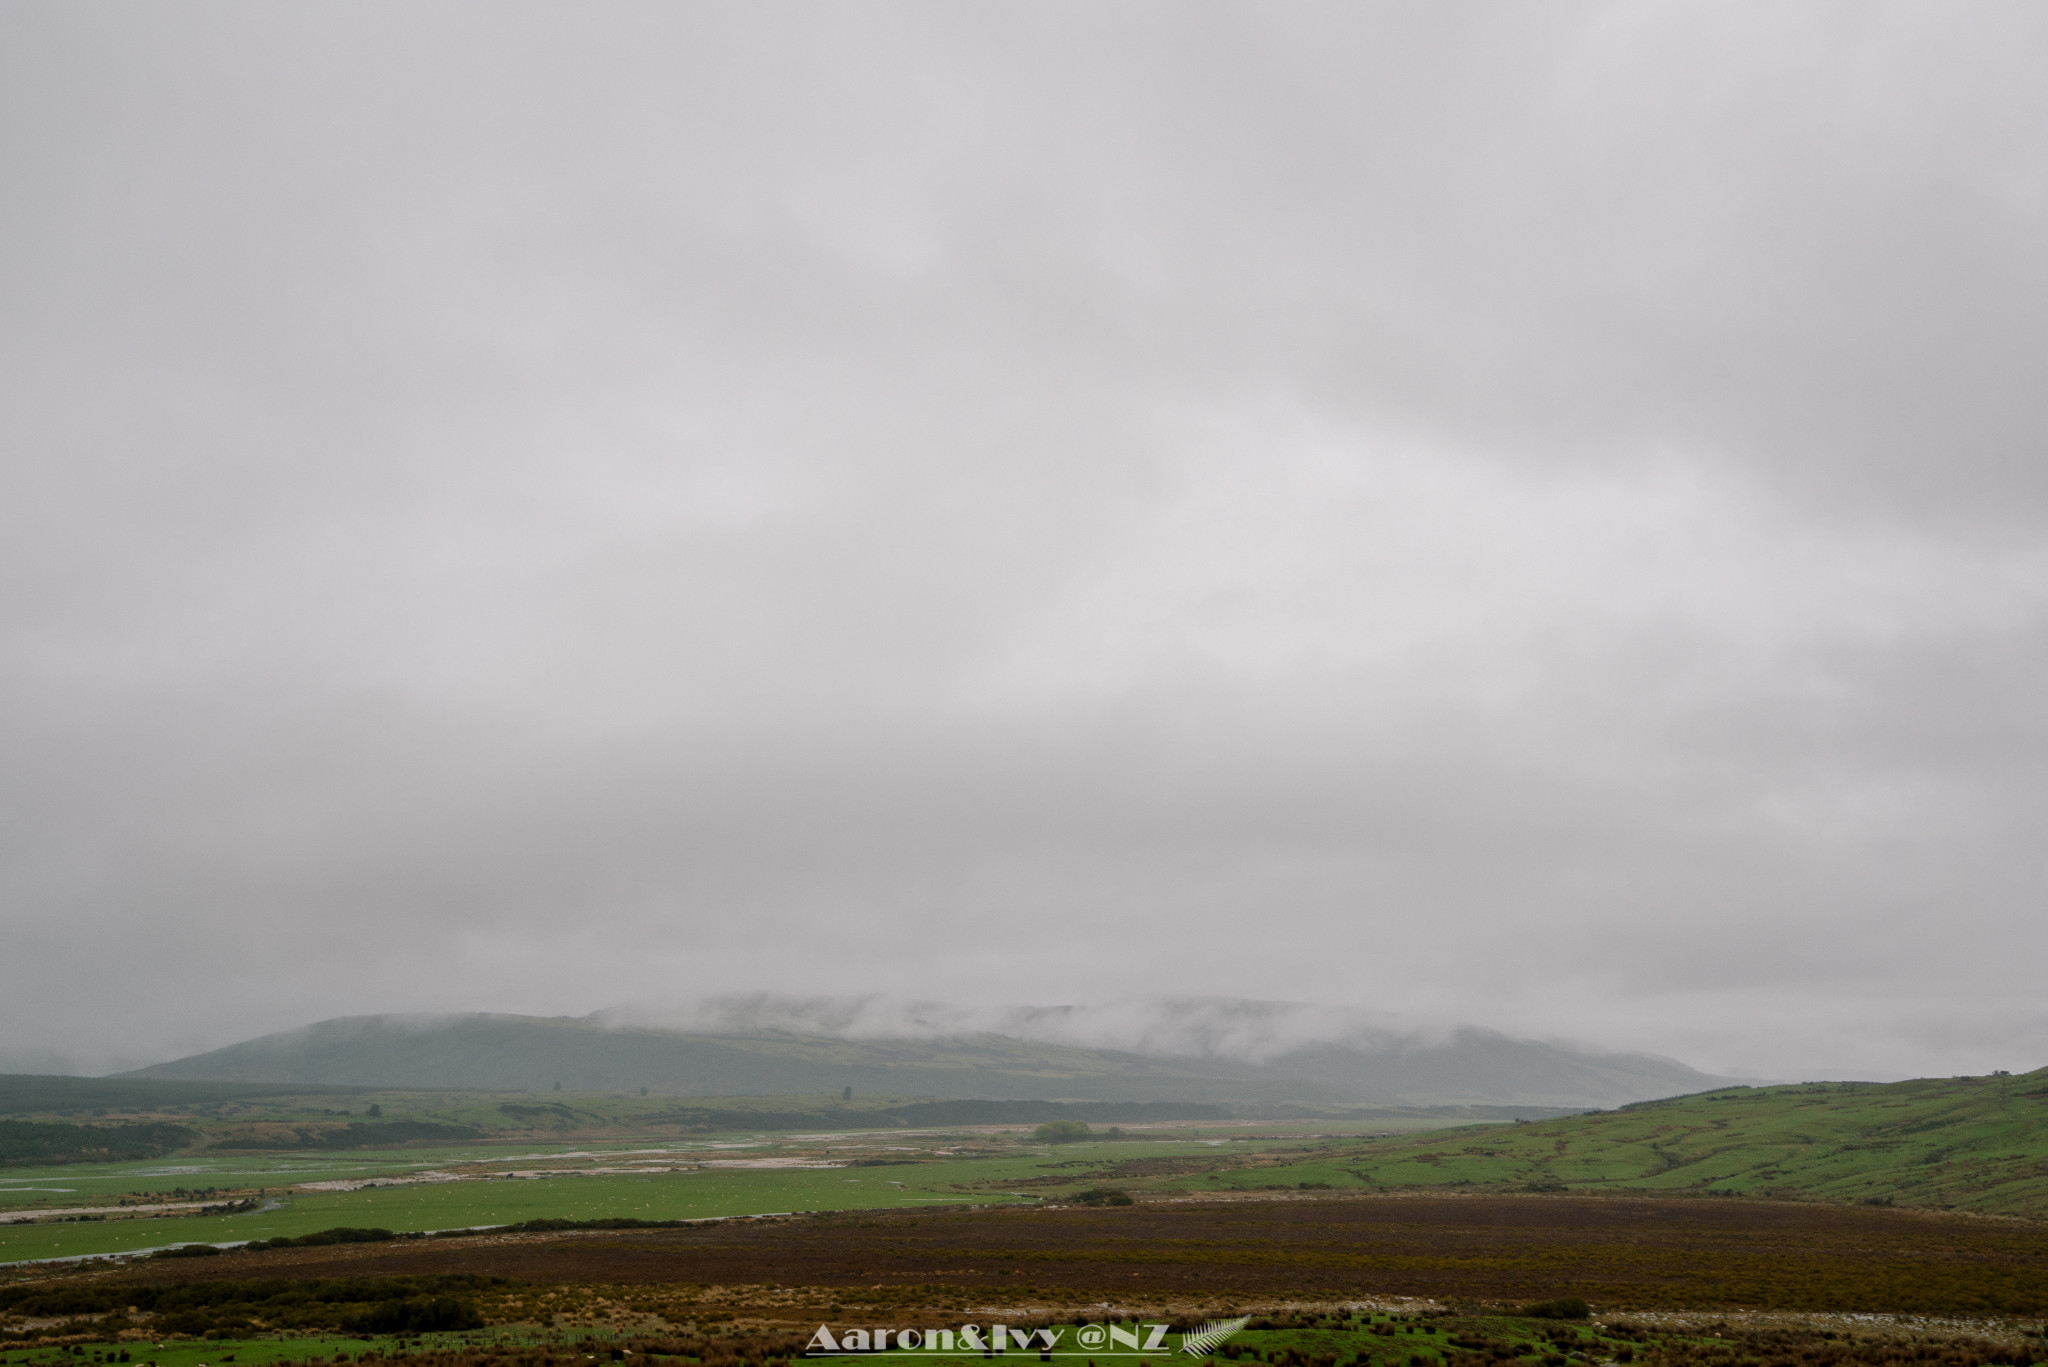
x=1248, y=1053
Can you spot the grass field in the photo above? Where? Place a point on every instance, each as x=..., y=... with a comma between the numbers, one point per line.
x=1949, y=1144
x=993, y=1175
x=457, y=1205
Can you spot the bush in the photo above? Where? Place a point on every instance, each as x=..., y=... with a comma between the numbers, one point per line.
x=234, y=1306
x=1103, y=1196
x=1569, y=1308
x=340, y=1234
x=30, y=1143
x=357, y=1134
x=415, y=1317
x=1061, y=1131
x=554, y=1224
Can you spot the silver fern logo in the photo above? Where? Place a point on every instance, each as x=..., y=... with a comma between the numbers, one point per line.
x=1211, y=1336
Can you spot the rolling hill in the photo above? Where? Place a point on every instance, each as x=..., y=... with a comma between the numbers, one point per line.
x=1479, y=1067
x=1973, y=1144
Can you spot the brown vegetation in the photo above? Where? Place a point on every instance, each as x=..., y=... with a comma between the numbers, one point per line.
x=1618, y=1253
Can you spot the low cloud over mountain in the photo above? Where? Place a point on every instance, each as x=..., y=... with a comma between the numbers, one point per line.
x=1257, y=1053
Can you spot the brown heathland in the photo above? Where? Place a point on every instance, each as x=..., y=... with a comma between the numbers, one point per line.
x=1617, y=1252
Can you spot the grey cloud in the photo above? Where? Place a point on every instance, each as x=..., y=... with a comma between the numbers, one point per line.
x=1524, y=517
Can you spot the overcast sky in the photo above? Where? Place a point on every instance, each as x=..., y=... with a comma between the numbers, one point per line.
x=1534, y=515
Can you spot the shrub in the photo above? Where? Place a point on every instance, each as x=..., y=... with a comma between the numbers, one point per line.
x=415, y=1317
x=1061, y=1131
x=552, y=1224
x=29, y=1143
x=1103, y=1196
x=340, y=1234
x=1568, y=1308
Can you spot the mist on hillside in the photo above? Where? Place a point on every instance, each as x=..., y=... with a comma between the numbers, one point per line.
x=1189, y=1027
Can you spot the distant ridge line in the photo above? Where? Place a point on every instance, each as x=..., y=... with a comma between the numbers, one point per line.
x=499, y=1052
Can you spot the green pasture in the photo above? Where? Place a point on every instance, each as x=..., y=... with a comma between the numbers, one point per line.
x=1963, y=1143
x=703, y=1194
x=456, y=1205
x=25, y=1190
x=81, y=1184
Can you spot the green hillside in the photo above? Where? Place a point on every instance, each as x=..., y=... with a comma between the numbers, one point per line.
x=45, y=1094
x=513, y=1053
x=1976, y=1144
